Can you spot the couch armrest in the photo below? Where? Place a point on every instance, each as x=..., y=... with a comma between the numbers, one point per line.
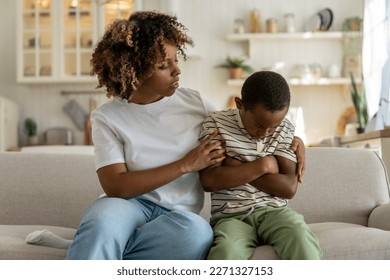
x=380, y=217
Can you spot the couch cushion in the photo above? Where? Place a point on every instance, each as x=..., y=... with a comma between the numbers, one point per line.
x=13, y=244
x=342, y=241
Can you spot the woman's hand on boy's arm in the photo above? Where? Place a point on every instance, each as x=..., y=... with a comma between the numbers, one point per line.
x=298, y=147
x=207, y=153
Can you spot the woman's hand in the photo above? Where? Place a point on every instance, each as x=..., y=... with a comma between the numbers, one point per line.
x=298, y=147
x=207, y=153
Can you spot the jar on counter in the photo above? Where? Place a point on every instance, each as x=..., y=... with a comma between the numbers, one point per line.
x=272, y=25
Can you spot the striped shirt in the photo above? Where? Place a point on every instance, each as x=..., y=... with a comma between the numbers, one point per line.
x=240, y=145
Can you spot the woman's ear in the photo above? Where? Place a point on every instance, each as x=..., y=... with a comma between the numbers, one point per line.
x=239, y=104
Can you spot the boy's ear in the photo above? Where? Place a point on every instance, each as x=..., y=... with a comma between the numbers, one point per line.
x=239, y=104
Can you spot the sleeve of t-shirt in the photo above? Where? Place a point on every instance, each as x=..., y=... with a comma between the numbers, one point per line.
x=207, y=128
x=209, y=107
x=208, y=125
x=108, y=146
x=283, y=149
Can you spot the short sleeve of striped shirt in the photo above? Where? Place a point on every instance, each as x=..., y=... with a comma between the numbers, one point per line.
x=208, y=127
x=285, y=138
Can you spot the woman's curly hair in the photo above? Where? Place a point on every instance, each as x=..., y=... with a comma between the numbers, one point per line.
x=130, y=48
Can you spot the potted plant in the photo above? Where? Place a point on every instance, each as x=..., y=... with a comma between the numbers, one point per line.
x=359, y=101
x=30, y=129
x=352, y=24
x=236, y=67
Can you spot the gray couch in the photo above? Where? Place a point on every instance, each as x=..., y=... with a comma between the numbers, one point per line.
x=344, y=198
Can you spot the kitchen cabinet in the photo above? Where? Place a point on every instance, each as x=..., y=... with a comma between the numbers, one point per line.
x=9, y=118
x=56, y=38
x=299, y=49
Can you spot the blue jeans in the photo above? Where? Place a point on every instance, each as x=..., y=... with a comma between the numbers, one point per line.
x=137, y=229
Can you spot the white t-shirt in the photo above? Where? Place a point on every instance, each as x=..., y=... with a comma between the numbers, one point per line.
x=152, y=135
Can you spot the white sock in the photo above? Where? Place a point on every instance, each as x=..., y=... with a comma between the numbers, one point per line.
x=47, y=238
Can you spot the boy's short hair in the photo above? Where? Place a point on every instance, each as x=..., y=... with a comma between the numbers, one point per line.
x=267, y=88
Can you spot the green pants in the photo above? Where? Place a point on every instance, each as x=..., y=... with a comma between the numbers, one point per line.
x=283, y=228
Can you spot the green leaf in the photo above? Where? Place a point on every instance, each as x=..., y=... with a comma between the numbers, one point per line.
x=359, y=101
x=235, y=62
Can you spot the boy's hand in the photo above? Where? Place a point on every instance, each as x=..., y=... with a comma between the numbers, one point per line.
x=298, y=147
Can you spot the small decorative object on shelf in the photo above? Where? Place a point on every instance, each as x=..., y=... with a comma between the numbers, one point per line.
x=334, y=71
x=238, y=26
x=352, y=46
x=352, y=63
x=289, y=23
x=321, y=21
x=255, y=21
x=236, y=67
x=352, y=24
x=272, y=25
x=359, y=101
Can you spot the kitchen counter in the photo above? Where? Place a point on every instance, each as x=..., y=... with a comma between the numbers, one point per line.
x=59, y=149
x=376, y=141
x=365, y=136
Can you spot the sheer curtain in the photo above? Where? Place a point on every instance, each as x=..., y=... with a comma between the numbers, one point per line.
x=376, y=61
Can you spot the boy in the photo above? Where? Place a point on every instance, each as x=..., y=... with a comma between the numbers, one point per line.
x=251, y=187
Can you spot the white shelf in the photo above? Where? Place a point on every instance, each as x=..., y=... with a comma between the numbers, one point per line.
x=251, y=38
x=288, y=36
x=302, y=82
x=319, y=82
x=33, y=79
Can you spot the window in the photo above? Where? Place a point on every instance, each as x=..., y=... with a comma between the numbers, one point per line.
x=376, y=61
